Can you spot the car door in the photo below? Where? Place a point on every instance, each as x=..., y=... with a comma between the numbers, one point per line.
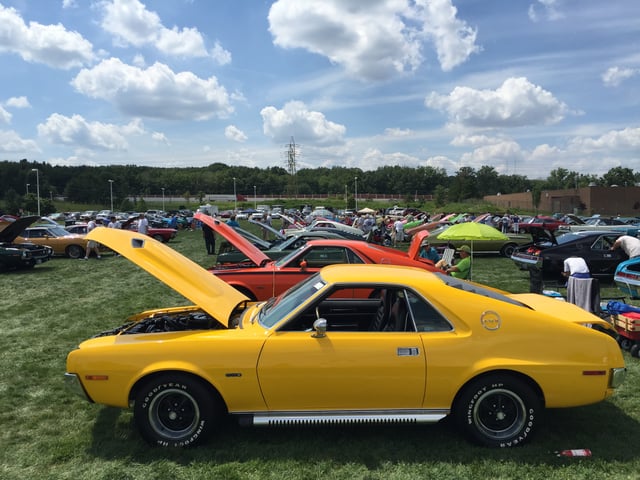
x=348, y=368
x=342, y=370
x=602, y=260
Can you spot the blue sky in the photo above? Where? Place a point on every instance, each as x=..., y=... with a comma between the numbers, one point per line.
x=525, y=86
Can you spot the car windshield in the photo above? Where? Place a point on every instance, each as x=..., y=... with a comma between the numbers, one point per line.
x=281, y=306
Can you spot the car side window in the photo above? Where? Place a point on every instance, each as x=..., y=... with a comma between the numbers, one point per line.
x=425, y=316
x=602, y=243
x=353, y=258
x=318, y=257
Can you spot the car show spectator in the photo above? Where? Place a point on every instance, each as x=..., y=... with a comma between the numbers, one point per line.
x=576, y=267
x=462, y=268
x=428, y=252
x=630, y=245
x=143, y=224
x=92, y=246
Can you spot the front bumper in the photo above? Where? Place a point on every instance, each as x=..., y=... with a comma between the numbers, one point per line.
x=73, y=384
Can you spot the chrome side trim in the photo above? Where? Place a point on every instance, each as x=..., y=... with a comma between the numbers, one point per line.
x=347, y=416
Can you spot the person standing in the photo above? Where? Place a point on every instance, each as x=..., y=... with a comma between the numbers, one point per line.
x=398, y=227
x=630, y=245
x=92, y=245
x=209, y=239
x=143, y=224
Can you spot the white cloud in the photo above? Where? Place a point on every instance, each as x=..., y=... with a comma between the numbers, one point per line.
x=545, y=10
x=454, y=39
x=306, y=126
x=52, y=45
x=18, y=102
x=160, y=137
x=133, y=24
x=614, y=76
x=398, y=132
x=234, y=133
x=500, y=154
x=615, y=140
x=77, y=132
x=373, y=158
x=155, y=92
x=5, y=117
x=11, y=142
x=373, y=40
x=220, y=55
x=517, y=102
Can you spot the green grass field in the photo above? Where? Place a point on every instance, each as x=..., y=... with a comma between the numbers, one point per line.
x=48, y=433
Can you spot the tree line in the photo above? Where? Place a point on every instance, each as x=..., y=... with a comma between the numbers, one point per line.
x=98, y=184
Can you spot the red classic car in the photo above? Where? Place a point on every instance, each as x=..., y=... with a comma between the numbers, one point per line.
x=270, y=278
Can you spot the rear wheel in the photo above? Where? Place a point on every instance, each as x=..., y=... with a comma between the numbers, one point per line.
x=74, y=251
x=174, y=410
x=508, y=249
x=497, y=411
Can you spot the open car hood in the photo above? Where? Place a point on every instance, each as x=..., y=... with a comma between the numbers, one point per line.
x=234, y=238
x=13, y=229
x=416, y=240
x=186, y=277
x=269, y=229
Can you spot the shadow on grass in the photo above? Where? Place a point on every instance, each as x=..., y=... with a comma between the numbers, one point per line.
x=603, y=428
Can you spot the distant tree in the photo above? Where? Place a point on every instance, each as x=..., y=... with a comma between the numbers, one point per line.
x=488, y=181
x=464, y=185
x=619, y=176
x=13, y=201
x=440, y=196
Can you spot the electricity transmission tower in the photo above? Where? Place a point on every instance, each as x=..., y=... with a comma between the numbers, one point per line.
x=292, y=153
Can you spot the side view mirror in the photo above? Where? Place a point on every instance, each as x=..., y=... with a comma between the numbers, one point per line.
x=320, y=327
x=303, y=265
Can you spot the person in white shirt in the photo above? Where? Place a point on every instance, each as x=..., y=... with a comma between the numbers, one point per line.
x=576, y=267
x=630, y=245
x=92, y=246
x=143, y=224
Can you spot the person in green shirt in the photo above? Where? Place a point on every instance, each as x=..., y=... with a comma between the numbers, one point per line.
x=463, y=266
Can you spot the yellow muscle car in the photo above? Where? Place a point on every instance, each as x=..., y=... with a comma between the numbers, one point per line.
x=352, y=343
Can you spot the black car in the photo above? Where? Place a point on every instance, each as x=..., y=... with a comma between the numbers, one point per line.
x=15, y=256
x=548, y=252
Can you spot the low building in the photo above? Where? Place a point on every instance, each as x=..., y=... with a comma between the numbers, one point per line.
x=607, y=201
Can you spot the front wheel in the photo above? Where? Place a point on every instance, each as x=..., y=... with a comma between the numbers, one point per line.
x=75, y=251
x=497, y=411
x=176, y=411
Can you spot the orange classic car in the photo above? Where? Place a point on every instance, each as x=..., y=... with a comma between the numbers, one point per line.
x=269, y=278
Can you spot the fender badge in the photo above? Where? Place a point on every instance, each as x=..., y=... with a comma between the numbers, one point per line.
x=490, y=320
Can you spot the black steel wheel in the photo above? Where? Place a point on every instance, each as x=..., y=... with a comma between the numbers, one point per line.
x=508, y=249
x=175, y=410
x=75, y=251
x=497, y=411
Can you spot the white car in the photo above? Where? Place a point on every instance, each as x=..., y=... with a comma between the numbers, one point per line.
x=327, y=224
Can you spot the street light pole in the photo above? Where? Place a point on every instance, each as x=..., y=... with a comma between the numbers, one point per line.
x=255, y=199
x=162, y=198
x=235, y=197
x=356, y=193
x=28, y=188
x=37, y=187
x=111, y=194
